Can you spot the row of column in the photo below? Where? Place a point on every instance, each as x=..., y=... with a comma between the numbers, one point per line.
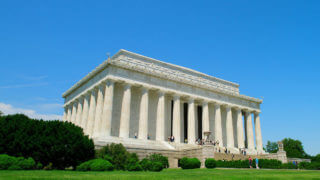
x=93, y=112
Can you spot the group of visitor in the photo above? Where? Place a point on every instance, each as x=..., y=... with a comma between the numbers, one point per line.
x=200, y=141
x=257, y=162
x=243, y=152
x=203, y=142
x=171, y=138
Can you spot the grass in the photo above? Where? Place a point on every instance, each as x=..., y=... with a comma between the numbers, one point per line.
x=175, y=174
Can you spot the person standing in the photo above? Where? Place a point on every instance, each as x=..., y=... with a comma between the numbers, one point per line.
x=257, y=163
x=250, y=161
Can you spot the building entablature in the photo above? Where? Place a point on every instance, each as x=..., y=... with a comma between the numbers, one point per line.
x=135, y=62
x=254, y=107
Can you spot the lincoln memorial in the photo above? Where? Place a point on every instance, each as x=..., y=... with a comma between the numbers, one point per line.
x=140, y=102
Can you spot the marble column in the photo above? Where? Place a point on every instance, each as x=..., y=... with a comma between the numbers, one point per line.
x=191, y=122
x=144, y=114
x=98, y=113
x=107, y=109
x=79, y=112
x=205, y=118
x=91, y=115
x=85, y=111
x=229, y=128
x=65, y=114
x=240, y=135
x=125, y=112
x=176, y=118
x=249, y=131
x=217, y=124
x=160, y=117
x=258, y=132
x=74, y=112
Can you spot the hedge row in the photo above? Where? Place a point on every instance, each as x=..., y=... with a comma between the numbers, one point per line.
x=17, y=163
x=309, y=166
x=235, y=164
x=267, y=164
x=263, y=163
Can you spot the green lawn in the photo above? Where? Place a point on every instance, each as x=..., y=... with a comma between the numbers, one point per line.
x=175, y=174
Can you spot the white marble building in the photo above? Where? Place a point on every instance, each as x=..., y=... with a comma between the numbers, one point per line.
x=130, y=94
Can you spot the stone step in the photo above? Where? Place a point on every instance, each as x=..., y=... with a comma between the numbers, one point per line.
x=134, y=143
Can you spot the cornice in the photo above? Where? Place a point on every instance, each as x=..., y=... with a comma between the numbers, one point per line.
x=177, y=73
x=152, y=60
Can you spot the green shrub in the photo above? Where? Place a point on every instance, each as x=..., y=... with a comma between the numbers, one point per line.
x=234, y=164
x=133, y=166
x=123, y=160
x=270, y=163
x=146, y=164
x=15, y=167
x=95, y=165
x=315, y=165
x=183, y=163
x=190, y=163
x=6, y=161
x=14, y=163
x=210, y=163
x=159, y=158
x=61, y=143
x=107, y=157
x=156, y=166
x=100, y=165
x=133, y=163
x=39, y=165
x=288, y=166
x=116, y=153
x=154, y=162
x=26, y=164
x=85, y=166
x=309, y=166
x=263, y=163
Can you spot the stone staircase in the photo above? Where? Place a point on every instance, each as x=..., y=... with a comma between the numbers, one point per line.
x=134, y=143
x=183, y=146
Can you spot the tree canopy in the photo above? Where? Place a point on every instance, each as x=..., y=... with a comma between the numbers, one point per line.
x=294, y=148
x=271, y=147
x=61, y=143
x=316, y=158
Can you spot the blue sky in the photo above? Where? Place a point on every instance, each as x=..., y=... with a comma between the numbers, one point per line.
x=271, y=48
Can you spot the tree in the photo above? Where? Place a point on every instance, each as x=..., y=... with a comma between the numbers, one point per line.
x=61, y=143
x=271, y=147
x=1, y=113
x=316, y=158
x=294, y=148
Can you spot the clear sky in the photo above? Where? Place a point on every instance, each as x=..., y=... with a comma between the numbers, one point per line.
x=271, y=48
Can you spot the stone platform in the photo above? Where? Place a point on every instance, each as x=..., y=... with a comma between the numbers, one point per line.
x=176, y=151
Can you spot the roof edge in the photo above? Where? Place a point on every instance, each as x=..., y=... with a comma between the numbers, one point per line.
x=177, y=66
